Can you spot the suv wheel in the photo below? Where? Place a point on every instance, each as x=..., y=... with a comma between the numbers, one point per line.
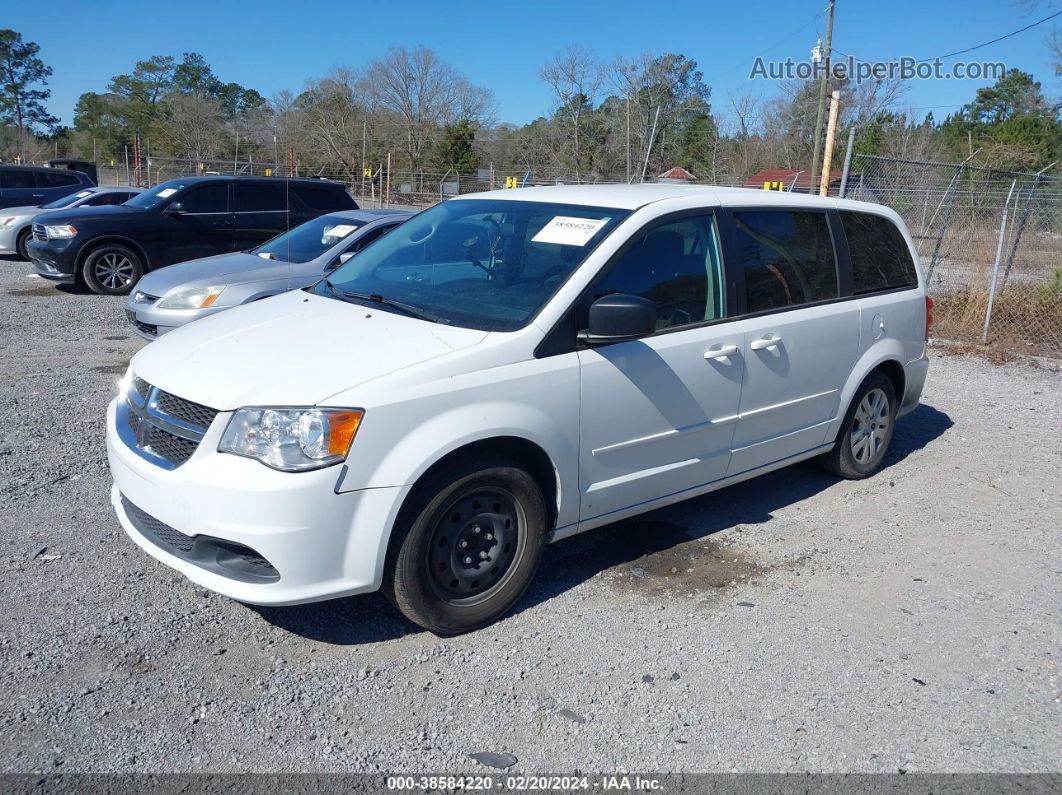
x=470, y=544
x=866, y=431
x=112, y=270
x=22, y=244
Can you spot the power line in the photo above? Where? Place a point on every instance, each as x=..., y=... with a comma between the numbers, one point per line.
x=1001, y=38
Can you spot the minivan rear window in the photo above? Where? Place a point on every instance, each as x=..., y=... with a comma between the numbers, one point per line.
x=881, y=259
x=787, y=257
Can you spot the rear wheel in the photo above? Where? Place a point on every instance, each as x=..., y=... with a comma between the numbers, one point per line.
x=471, y=541
x=112, y=270
x=22, y=244
x=866, y=432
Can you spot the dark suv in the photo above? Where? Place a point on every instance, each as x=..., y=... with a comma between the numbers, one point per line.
x=110, y=248
x=32, y=186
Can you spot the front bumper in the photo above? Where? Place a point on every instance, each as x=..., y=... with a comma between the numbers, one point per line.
x=151, y=322
x=322, y=544
x=55, y=259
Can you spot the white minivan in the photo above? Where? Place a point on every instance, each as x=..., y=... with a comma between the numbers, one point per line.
x=507, y=369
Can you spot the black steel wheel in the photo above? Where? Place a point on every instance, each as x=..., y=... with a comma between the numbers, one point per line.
x=467, y=545
x=473, y=545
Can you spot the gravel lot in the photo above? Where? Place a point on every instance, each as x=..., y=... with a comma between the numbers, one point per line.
x=787, y=624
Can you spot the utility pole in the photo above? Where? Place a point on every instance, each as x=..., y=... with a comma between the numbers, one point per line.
x=831, y=132
x=824, y=80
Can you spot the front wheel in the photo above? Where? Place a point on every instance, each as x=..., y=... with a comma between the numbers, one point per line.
x=866, y=432
x=470, y=544
x=22, y=245
x=112, y=270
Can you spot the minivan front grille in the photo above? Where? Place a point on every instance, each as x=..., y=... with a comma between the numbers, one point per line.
x=39, y=234
x=161, y=427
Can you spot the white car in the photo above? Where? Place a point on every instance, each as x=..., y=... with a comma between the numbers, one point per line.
x=507, y=369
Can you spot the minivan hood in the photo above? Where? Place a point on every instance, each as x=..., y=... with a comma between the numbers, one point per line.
x=222, y=269
x=295, y=349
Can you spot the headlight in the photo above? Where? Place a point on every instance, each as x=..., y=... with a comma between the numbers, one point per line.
x=193, y=298
x=6, y=221
x=126, y=382
x=292, y=439
x=60, y=232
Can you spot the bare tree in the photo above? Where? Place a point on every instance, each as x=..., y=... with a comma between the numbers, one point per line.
x=576, y=78
x=422, y=93
x=194, y=125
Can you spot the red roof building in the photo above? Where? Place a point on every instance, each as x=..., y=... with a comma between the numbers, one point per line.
x=676, y=174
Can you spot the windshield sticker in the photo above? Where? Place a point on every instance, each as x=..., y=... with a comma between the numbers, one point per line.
x=569, y=231
x=339, y=230
x=165, y=193
x=84, y=193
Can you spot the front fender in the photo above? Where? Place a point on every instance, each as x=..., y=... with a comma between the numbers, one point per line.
x=447, y=431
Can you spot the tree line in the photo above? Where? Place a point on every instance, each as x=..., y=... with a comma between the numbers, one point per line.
x=609, y=119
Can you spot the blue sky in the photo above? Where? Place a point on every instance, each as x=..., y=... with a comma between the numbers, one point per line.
x=272, y=45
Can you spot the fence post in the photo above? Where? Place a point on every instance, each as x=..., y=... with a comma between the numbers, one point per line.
x=1023, y=220
x=847, y=163
x=995, y=268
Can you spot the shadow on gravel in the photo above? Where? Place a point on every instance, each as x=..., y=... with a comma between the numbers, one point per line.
x=671, y=561
x=369, y=618
x=667, y=561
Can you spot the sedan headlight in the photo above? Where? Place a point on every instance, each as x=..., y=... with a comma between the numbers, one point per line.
x=60, y=231
x=192, y=298
x=292, y=439
x=6, y=221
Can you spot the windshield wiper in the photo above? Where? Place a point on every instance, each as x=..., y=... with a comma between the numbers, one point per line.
x=376, y=298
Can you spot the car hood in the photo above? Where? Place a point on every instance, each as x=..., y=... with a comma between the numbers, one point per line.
x=222, y=269
x=24, y=211
x=290, y=350
x=71, y=215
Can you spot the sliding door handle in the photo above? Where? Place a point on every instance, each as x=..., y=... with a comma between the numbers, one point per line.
x=722, y=352
x=766, y=342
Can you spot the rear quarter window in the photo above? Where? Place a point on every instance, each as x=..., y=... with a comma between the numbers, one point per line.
x=322, y=199
x=57, y=179
x=881, y=259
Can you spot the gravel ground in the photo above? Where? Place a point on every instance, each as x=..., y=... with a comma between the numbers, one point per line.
x=793, y=623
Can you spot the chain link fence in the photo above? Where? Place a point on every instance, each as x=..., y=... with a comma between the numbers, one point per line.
x=990, y=243
x=993, y=281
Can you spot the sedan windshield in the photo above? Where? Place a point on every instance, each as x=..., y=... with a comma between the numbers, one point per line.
x=155, y=196
x=66, y=201
x=309, y=240
x=488, y=264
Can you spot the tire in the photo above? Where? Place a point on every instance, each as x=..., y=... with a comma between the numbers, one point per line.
x=468, y=544
x=864, y=436
x=22, y=245
x=112, y=269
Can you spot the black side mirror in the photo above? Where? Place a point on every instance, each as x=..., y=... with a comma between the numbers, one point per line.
x=174, y=208
x=619, y=317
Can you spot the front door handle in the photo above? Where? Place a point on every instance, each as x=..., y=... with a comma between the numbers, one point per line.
x=38, y=195
x=722, y=352
x=766, y=342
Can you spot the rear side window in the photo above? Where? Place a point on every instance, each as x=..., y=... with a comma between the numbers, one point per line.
x=787, y=257
x=676, y=266
x=17, y=178
x=323, y=200
x=57, y=179
x=102, y=199
x=260, y=198
x=206, y=199
x=881, y=259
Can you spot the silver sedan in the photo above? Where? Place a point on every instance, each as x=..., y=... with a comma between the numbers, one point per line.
x=178, y=294
x=16, y=223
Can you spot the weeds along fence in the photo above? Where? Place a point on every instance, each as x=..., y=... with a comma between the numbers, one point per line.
x=991, y=281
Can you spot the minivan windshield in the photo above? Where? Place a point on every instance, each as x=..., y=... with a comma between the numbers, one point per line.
x=488, y=264
x=309, y=240
x=155, y=196
x=66, y=201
